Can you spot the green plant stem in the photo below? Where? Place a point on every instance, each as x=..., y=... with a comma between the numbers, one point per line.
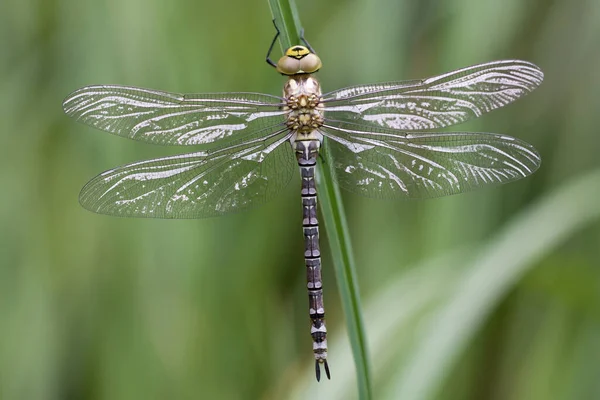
x=330, y=201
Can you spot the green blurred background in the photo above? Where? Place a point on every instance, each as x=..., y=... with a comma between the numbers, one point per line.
x=488, y=295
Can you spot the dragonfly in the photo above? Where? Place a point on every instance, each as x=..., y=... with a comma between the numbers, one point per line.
x=382, y=140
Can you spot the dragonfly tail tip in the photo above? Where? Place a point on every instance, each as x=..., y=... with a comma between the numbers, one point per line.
x=317, y=371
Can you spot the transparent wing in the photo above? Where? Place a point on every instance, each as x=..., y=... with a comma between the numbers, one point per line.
x=398, y=165
x=435, y=102
x=173, y=119
x=195, y=185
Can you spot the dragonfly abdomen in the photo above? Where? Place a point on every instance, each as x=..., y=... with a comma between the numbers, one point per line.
x=306, y=154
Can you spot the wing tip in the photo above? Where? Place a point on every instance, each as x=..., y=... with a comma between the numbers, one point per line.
x=72, y=101
x=537, y=74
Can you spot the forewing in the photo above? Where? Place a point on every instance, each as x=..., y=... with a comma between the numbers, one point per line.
x=425, y=165
x=173, y=119
x=435, y=102
x=195, y=185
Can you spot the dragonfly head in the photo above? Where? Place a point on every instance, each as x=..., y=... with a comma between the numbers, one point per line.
x=298, y=60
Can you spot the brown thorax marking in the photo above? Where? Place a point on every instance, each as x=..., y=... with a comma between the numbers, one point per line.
x=303, y=102
x=305, y=115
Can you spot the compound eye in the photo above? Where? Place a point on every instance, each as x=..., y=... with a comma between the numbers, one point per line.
x=288, y=65
x=310, y=63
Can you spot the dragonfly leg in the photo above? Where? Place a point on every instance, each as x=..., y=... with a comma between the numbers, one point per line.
x=269, y=61
x=306, y=42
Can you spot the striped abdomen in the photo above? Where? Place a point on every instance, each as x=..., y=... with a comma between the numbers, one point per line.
x=306, y=154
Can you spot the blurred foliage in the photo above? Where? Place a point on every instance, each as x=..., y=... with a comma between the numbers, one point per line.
x=487, y=295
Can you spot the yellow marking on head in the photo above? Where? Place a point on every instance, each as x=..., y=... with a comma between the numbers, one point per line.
x=297, y=52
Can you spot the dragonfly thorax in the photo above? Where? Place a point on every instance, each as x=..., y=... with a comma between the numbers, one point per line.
x=302, y=94
x=298, y=60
